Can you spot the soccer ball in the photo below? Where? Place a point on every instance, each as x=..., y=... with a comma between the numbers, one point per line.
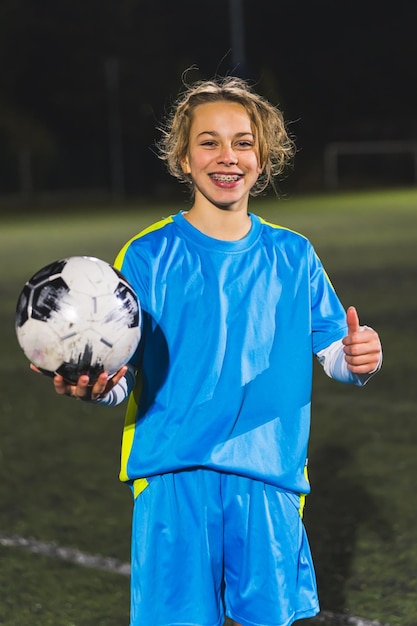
x=78, y=315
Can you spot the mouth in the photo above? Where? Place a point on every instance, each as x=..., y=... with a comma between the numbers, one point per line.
x=225, y=178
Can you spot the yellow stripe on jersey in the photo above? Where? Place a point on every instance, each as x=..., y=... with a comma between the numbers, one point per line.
x=139, y=485
x=129, y=429
x=132, y=406
x=303, y=495
x=261, y=219
x=160, y=224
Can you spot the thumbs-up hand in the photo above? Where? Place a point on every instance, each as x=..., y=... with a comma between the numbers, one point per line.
x=361, y=345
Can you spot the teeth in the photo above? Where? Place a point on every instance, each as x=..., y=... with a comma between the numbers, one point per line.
x=226, y=178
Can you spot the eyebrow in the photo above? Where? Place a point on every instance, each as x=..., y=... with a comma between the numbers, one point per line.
x=213, y=133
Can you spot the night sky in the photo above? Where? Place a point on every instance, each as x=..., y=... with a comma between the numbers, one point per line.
x=340, y=71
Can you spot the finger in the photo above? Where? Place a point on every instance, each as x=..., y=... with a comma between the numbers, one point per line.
x=364, y=364
x=35, y=369
x=352, y=320
x=361, y=358
x=104, y=384
x=365, y=342
x=80, y=390
x=61, y=386
x=99, y=387
x=82, y=387
x=119, y=375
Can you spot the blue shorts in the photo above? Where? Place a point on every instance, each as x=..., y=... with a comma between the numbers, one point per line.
x=207, y=544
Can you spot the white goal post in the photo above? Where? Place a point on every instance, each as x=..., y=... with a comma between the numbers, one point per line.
x=333, y=151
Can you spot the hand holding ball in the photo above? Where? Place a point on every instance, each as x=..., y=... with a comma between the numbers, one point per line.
x=76, y=316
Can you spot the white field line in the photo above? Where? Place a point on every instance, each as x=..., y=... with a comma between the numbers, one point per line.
x=345, y=620
x=66, y=554
x=115, y=566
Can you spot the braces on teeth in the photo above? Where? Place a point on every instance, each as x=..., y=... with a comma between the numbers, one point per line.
x=226, y=179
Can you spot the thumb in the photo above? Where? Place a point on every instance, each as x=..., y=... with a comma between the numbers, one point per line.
x=352, y=320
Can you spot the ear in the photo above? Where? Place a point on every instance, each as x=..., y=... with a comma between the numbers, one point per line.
x=185, y=165
x=261, y=166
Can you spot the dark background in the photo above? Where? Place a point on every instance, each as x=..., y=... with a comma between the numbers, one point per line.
x=84, y=83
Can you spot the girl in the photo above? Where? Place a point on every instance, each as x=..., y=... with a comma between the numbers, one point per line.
x=217, y=425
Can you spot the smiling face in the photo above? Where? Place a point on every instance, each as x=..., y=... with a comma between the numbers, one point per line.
x=222, y=157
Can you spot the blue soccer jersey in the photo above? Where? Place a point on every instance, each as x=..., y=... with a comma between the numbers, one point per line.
x=226, y=358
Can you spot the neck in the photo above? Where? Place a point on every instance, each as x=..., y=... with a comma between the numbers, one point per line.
x=219, y=223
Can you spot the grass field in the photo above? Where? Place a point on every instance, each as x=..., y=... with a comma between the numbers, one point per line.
x=59, y=459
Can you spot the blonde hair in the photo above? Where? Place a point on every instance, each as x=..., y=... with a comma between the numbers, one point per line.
x=276, y=148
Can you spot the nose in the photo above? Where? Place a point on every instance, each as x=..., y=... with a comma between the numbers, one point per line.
x=227, y=156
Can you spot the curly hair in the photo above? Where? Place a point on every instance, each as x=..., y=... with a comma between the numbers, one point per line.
x=276, y=147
